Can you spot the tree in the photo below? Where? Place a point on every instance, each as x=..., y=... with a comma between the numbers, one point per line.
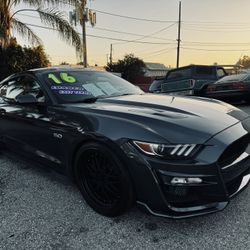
x=244, y=61
x=16, y=58
x=64, y=63
x=130, y=67
x=50, y=17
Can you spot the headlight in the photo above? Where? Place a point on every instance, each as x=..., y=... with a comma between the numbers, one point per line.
x=169, y=151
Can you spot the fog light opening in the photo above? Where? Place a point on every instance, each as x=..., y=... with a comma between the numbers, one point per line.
x=185, y=180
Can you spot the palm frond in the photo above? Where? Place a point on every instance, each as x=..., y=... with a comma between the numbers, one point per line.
x=55, y=19
x=38, y=3
x=34, y=3
x=25, y=31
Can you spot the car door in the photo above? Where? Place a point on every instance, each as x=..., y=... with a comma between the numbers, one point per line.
x=9, y=125
x=31, y=129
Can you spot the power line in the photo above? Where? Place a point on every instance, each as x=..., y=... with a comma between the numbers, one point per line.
x=214, y=30
x=192, y=23
x=245, y=28
x=193, y=27
x=102, y=37
x=128, y=33
x=153, y=54
x=134, y=18
x=201, y=29
x=217, y=26
x=159, y=31
x=157, y=51
x=115, y=31
x=168, y=21
x=187, y=42
x=198, y=49
x=216, y=22
x=158, y=54
x=124, y=40
x=161, y=51
x=142, y=51
x=151, y=34
x=216, y=43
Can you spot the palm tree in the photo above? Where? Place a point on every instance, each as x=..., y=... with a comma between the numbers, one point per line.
x=50, y=17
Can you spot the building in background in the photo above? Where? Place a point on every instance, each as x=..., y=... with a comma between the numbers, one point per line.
x=152, y=71
x=155, y=70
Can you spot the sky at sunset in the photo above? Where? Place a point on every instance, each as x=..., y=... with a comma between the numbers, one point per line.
x=211, y=31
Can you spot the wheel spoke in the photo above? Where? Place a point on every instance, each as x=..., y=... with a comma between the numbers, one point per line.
x=112, y=190
x=102, y=177
x=91, y=165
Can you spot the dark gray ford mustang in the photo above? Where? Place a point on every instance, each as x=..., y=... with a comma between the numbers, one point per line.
x=174, y=156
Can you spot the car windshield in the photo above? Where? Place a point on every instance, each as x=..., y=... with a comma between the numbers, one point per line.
x=76, y=86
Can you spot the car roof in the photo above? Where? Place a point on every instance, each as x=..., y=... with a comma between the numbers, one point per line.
x=49, y=70
x=54, y=69
x=195, y=65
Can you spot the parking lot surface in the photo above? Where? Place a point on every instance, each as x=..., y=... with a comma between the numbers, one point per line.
x=40, y=209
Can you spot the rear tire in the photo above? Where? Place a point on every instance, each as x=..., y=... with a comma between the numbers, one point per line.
x=103, y=180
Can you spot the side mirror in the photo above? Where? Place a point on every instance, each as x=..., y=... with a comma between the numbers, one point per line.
x=26, y=99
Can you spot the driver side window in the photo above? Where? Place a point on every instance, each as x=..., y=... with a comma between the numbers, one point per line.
x=21, y=86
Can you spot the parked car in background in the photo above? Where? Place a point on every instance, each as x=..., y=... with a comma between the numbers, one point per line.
x=155, y=86
x=182, y=87
x=179, y=88
x=233, y=87
x=192, y=79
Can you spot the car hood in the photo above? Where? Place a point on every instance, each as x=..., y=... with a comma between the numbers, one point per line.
x=172, y=118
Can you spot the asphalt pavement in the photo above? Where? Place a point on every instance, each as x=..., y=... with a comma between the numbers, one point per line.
x=40, y=209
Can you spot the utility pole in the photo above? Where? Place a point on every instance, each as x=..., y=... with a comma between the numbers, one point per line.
x=179, y=37
x=83, y=14
x=84, y=44
x=111, y=54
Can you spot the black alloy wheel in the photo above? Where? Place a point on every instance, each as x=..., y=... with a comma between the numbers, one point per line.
x=103, y=180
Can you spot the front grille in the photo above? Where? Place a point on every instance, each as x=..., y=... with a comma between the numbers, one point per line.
x=234, y=151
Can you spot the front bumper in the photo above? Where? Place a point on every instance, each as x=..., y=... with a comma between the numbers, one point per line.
x=220, y=182
x=212, y=195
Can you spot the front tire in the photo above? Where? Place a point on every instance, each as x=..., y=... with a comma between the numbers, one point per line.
x=103, y=180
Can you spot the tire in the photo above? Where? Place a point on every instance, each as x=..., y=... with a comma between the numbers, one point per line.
x=103, y=180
